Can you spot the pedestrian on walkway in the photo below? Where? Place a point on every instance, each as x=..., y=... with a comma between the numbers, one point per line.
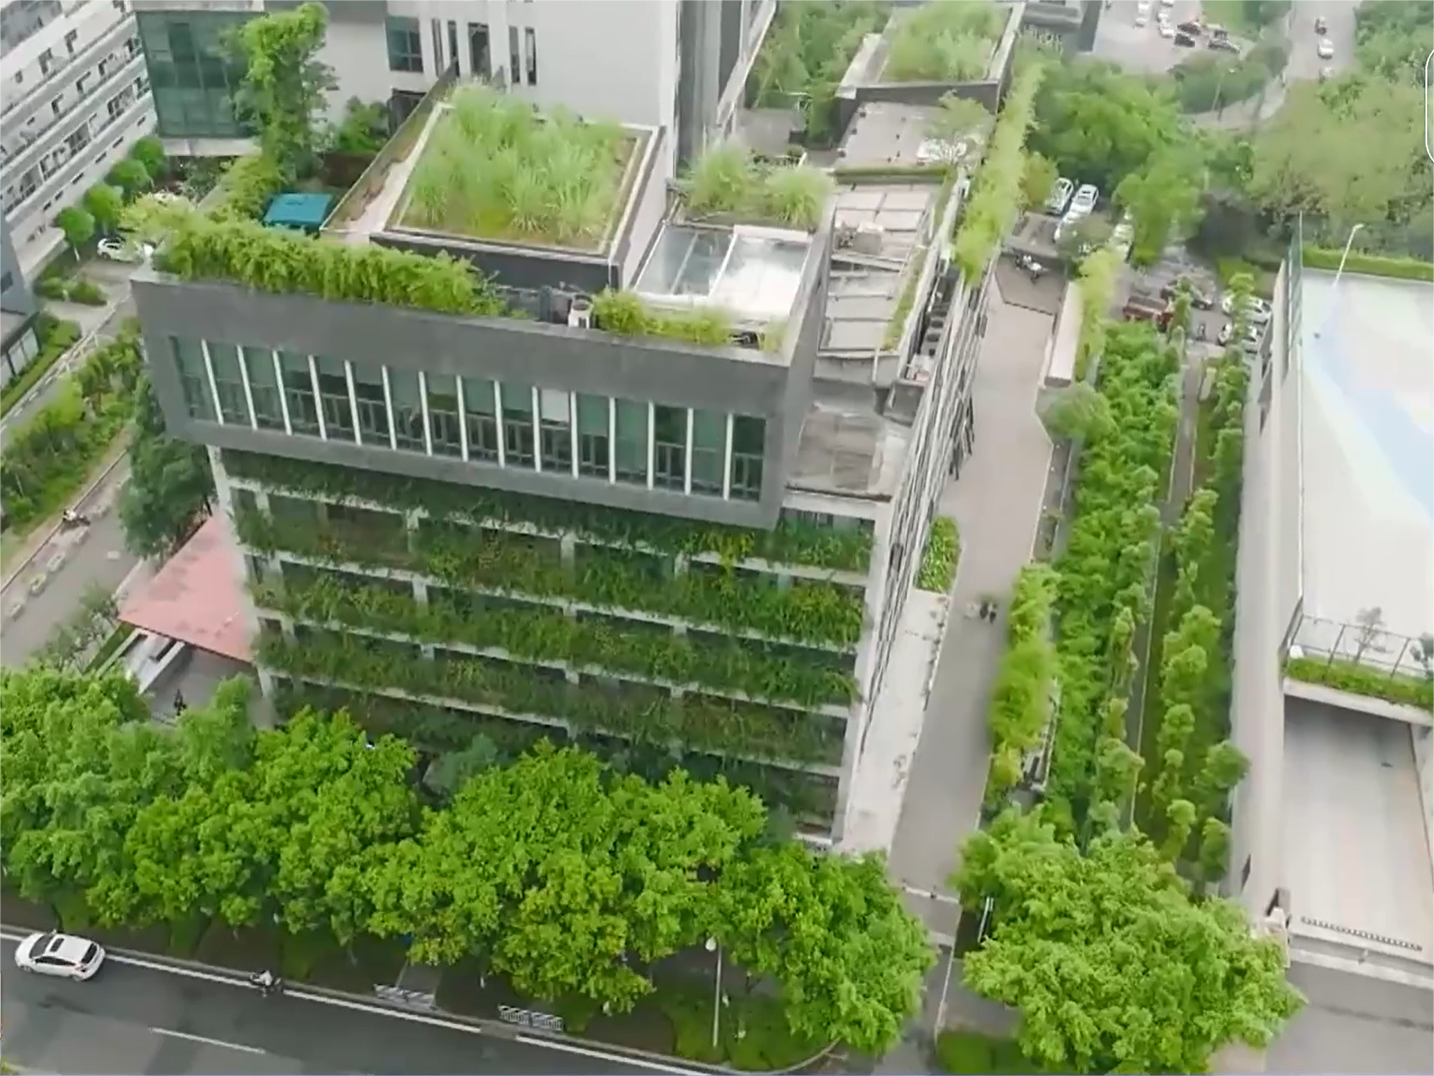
x=179, y=704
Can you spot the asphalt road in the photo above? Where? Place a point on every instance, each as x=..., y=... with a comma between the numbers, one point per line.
x=99, y=559
x=135, y=1020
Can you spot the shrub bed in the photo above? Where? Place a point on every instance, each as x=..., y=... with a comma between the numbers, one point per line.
x=1371, y=264
x=54, y=338
x=940, y=557
x=1363, y=680
x=1021, y=699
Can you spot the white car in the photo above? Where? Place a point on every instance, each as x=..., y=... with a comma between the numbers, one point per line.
x=1060, y=196
x=1253, y=335
x=1167, y=3
x=1142, y=18
x=1123, y=236
x=1085, y=198
x=60, y=954
x=117, y=251
x=1166, y=30
x=1257, y=310
x=1326, y=49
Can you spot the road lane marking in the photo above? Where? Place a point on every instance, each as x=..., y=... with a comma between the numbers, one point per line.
x=583, y=1051
x=207, y=1041
x=381, y=1010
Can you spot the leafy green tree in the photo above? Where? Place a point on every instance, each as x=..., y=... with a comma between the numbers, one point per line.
x=1214, y=853
x=1084, y=239
x=1037, y=180
x=1099, y=124
x=956, y=118
x=1118, y=770
x=1180, y=819
x=78, y=226
x=364, y=129
x=285, y=86
x=1169, y=782
x=1111, y=965
x=1078, y=411
x=1163, y=198
x=105, y=205
x=170, y=485
x=832, y=931
x=1223, y=768
x=1176, y=729
x=131, y=177
x=149, y=151
x=453, y=770
x=1392, y=38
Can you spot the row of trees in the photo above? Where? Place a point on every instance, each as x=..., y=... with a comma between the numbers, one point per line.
x=103, y=204
x=568, y=879
x=1105, y=571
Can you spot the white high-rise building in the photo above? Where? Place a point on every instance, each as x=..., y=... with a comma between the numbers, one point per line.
x=74, y=97
x=677, y=64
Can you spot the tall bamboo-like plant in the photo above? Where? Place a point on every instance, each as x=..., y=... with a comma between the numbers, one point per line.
x=944, y=42
x=726, y=180
x=494, y=168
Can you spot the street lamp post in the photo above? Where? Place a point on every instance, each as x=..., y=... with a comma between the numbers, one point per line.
x=1347, y=244
x=712, y=946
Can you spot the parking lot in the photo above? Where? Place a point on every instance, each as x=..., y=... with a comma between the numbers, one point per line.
x=1141, y=48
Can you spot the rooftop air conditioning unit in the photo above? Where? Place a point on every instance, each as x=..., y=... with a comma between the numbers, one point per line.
x=868, y=239
x=580, y=314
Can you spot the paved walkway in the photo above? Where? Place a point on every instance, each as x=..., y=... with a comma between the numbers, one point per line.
x=996, y=503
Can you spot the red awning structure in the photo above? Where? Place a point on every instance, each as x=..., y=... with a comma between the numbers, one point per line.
x=196, y=597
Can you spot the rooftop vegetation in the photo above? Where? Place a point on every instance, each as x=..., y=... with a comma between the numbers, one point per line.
x=285, y=262
x=493, y=168
x=726, y=180
x=944, y=42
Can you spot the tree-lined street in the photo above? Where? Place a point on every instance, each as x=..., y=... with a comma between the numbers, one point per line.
x=134, y=1019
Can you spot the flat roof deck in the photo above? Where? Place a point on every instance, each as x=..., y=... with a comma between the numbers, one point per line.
x=1356, y=858
x=1367, y=449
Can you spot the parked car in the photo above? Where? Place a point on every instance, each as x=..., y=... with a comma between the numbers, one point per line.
x=1257, y=311
x=1086, y=195
x=117, y=251
x=1321, y=26
x=1123, y=236
x=1142, y=18
x=1167, y=3
x=1191, y=27
x=1326, y=49
x=1060, y=196
x=1201, y=298
x=1166, y=30
x=1184, y=41
x=1253, y=335
x=1223, y=44
x=66, y=955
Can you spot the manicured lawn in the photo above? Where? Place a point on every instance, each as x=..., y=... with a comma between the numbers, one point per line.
x=961, y=1051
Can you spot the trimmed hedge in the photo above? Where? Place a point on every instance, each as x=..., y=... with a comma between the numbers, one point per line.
x=938, y=561
x=1363, y=680
x=1369, y=264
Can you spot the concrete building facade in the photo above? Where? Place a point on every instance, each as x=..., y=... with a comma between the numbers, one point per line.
x=76, y=97
x=675, y=64
x=17, y=311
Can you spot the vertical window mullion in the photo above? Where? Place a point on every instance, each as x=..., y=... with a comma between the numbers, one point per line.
x=727, y=462
x=499, y=423
x=248, y=392
x=388, y=403
x=611, y=439
x=283, y=392
x=213, y=387
x=651, y=441
x=573, y=429
x=462, y=418
x=353, y=401
x=537, y=430
x=318, y=398
x=423, y=406
x=687, y=455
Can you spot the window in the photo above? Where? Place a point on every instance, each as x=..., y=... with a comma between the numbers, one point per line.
x=7, y=280
x=193, y=380
x=452, y=44
x=709, y=451
x=482, y=419
x=70, y=39
x=632, y=442
x=479, y=56
x=593, y=436
x=748, y=435
x=229, y=383
x=530, y=39
x=299, y=392
x=443, y=415
x=264, y=387
x=514, y=60
x=517, y=424
x=669, y=458
x=407, y=411
x=372, y=404
x=47, y=60
x=334, y=398
x=57, y=106
x=556, y=430
x=405, y=46
x=194, y=73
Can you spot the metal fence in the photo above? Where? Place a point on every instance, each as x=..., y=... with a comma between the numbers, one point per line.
x=1368, y=644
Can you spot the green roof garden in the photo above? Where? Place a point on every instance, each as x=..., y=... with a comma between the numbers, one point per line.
x=944, y=42
x=489, y=167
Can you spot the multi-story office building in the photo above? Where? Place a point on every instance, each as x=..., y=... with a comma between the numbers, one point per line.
x=76, y=97
x=17, y=312
x=676, y=64
x=661, y=485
